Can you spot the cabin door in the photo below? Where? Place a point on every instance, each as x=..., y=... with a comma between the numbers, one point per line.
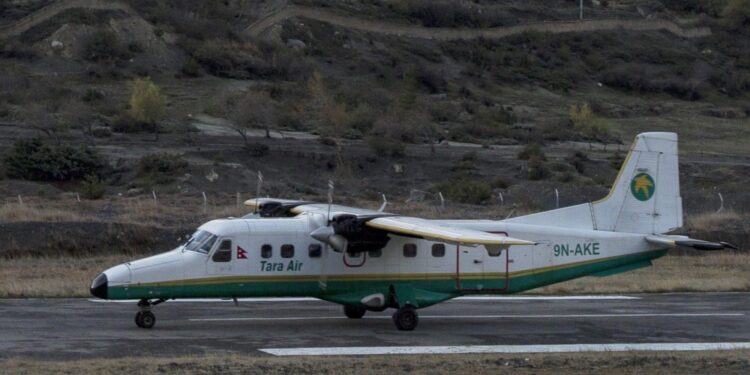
x=481, y=270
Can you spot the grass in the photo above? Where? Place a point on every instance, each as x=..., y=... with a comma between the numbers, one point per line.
x=718, y=271
x=61, y=276
x=712, y=220
x=26, y=212
x=52, y=276
x=713, y=362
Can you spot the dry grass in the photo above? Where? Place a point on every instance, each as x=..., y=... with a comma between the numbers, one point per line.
x=718, y=271
x=26, y=212
x=53, y=276
x=712, y=220
x=713, y=362
x=70, y=277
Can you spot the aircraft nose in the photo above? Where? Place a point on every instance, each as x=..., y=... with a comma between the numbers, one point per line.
x=99, y=286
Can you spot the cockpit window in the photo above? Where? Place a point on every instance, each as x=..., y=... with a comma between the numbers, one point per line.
x=200, y=241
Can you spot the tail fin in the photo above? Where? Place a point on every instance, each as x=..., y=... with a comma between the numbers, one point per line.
x=645, y=197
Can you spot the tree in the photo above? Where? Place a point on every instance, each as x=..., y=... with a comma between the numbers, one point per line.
x=737, y=13
x=147, y=104
x=587, y=123
x=332, y=117
x=251, y=111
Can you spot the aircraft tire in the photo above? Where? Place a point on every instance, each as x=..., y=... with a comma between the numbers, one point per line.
x=406, y=318
x=138, y=319
x=354, y=312
x=145, y=319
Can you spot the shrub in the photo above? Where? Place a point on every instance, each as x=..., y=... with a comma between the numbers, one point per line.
x=147, y=104
x=33, y=159
x=463, y=190
x=531, y=151
x=92, y=187
x=584, y=121
x=161, y=168
x=191, y=68
x=104, y=46
x=737, y=13
x=538, y=170
x=578, y=160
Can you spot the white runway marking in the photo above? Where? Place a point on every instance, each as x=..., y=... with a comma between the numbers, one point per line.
x=478, y=349
x=559, y=316
x=468, y=298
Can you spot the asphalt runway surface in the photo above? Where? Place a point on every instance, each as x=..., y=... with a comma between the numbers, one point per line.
x=83, y=328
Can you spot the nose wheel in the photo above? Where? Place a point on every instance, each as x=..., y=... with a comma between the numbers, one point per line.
x=145, y=318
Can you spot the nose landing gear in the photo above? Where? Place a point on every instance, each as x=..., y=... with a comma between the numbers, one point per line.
x=145, y=318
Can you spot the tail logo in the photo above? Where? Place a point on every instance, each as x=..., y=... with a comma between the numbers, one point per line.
x=642, y=186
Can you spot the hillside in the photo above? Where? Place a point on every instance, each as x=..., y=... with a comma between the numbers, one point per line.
x=474, y=100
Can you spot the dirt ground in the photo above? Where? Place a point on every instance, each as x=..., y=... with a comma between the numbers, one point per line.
x=678, y=363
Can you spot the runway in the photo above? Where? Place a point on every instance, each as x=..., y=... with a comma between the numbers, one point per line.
x=81, y=328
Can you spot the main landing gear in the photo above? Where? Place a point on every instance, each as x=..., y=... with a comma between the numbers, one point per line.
x=145, y=318
x=406, y=318
x=354, y=312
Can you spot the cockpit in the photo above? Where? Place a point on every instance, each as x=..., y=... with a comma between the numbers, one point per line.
x=201, y=241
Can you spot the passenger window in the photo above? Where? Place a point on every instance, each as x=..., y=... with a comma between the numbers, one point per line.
x=314, y=250
x=266, y=251
x=287, y=251
x=410, y=250
x=376, y=253
x=438, y=250
x=224, y=252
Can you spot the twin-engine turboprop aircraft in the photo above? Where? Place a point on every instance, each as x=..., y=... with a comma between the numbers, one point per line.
x=372, y=260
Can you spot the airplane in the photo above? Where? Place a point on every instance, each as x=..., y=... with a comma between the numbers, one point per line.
x=371, y=260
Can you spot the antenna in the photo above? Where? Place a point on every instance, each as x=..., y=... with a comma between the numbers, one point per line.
x=257, y=191
x=330, y=200
x=385, y=203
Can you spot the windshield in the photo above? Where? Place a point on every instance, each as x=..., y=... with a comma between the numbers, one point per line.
x=200, y=241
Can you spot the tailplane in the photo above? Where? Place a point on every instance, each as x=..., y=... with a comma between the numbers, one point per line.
x=645, y=197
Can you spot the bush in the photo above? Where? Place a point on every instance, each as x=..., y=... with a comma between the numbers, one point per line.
x=93, y=188
x=531, y=151
x=463, y=190
x=578, y=160
x=161, y=168
x=191, y=68
x=101, y=132
x=33, y=159
x=538, y=170
x=737, y=13
x=104, y=46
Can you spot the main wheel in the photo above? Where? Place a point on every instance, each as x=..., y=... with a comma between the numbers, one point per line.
x=354, y=312
x=406, y=318
x=138, y=319
x=145, y=319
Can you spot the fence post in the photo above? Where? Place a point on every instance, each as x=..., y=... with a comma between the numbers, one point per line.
x=205, y=203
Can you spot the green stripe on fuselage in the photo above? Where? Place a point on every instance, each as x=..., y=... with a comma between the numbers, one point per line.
x=309, y=285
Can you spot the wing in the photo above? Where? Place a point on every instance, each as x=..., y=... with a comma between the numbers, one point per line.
x=336, y=210
x=416, y=227
x=273, y=207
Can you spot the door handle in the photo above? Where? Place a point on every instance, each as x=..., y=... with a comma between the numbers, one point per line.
x=477, y=261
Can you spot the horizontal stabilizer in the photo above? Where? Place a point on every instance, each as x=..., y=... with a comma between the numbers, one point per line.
x=684, y=241
x=415, y=227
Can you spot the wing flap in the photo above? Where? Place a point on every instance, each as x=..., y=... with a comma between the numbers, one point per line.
x=412, y=226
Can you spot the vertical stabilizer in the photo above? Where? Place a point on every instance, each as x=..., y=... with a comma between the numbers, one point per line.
x=645, y=197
